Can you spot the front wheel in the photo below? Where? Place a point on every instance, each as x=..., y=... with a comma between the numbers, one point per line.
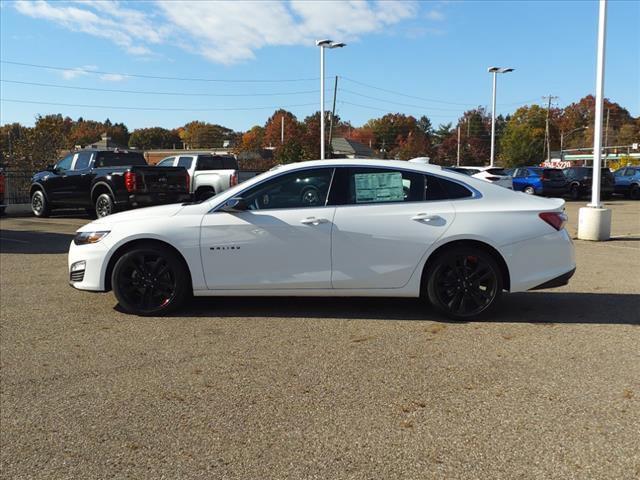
x=464, y=282
x=574, y=192
x=39, y=204
x=529, y=190
x=150, y=280
x=634, y=192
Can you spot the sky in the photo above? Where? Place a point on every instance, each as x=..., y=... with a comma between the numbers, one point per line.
x=165, y=63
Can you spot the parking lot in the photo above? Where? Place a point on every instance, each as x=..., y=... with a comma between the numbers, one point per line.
x=548, y=387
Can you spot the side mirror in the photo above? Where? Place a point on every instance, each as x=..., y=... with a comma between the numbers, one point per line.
x=50, y=168
x=234, y=205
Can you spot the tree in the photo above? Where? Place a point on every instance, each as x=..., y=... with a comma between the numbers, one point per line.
x=198, y=134
x=523, y=138
x=155, y=137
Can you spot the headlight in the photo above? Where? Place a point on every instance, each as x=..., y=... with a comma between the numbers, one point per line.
x=82, y=238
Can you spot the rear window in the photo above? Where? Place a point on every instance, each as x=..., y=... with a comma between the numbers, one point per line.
x=119, y=159
x=211, y=162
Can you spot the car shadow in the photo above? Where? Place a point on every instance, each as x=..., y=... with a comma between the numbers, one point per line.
x=532, y=307
x=33, y=242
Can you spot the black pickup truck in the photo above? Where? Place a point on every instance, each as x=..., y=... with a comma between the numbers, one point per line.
x=105, y=181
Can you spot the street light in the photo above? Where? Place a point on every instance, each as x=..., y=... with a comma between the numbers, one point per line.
x=495, y=71
x=562, y=135
x=324, y=44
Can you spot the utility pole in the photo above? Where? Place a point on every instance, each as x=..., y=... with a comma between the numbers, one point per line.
x=606, y=139
x=282, y=130
x=458, y=154
x=333, y=112
x=547, y=131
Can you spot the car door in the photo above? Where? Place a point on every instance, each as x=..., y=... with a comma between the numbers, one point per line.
x=384, y=223
x=57, y=186
x=281, y=241
x=78, y=179
x=519, y=179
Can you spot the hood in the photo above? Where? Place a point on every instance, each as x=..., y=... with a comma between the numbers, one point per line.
x=165, y=211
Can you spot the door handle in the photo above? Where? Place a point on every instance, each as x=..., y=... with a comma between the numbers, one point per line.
x=313, y=221
x=424, y=217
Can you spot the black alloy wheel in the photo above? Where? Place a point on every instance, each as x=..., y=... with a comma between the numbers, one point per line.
x=464, y=283
x=39, y=205
x=150, y=281
x=574, y=192
x=104, y=205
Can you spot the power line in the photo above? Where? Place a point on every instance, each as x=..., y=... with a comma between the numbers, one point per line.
x=159, y=77
x=147, y=92
x=425, y=98
x=167, y=109
x=344, y=102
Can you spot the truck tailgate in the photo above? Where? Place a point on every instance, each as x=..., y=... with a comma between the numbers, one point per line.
x=162, y=179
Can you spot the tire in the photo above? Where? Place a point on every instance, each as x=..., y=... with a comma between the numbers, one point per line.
x=310, y=196
x=634, y=192
x=39, y=204
x=150, y=280
x=464, y=283
x=529, y=190
x=104, y=205
x=574, y=192
x=204, y=193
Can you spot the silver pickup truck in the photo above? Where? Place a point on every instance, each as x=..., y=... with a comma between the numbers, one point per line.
x=209, y=174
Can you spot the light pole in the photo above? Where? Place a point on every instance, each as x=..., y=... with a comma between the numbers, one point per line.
x=562, y=135
x=495, y=71
x=324, y=44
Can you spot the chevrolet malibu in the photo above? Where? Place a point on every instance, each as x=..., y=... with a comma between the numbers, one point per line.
x=332, y=228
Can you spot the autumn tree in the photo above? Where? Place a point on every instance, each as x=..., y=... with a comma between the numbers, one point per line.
x=523, y=138
x=199, y=134
x=155, y=137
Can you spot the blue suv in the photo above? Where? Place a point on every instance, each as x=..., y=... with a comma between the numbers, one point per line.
x=540, y=181
x=627, y=182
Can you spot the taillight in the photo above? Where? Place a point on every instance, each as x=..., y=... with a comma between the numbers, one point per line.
x=1, y=183
x=187, y=180
x=556, y=219
x=130, y=181
x=234, y=180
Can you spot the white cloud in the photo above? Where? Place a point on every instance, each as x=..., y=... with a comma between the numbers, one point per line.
x=435, y=15
x=113, y=77
x=223, y=31
x=72, y=73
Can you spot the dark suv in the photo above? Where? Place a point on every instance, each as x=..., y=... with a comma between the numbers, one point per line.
x=581, y=178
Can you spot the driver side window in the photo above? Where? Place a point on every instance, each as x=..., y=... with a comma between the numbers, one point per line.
x=65, y=164
x=300, y=189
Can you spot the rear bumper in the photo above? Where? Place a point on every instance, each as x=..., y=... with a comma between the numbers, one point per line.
x=559, y=281
x=150, y=199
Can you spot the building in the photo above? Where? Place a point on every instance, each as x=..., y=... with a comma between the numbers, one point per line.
x=346, y=148
x=104, y=143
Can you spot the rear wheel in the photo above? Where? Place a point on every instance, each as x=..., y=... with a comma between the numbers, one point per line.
x=464, y=283
x=529, y=190
x=634, y=192
x=203, y=193
x=574, y=192
x=150, y=280
x=104, y=205
x=39, y=204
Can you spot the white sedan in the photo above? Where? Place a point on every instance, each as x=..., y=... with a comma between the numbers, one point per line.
x=332, y=228
x=495, y=175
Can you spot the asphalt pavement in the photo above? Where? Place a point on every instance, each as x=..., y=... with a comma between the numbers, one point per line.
x=258, y=388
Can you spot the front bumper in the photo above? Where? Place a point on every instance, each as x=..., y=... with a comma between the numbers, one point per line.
x=93, y=275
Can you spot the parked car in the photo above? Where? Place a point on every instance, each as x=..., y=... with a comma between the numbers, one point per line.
x=495, y=175
x=580, y=180
x=105, y=181
x=627, y=182
x=548, y=182
x=209, y=174
x=454, y=240
x=2, y=180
